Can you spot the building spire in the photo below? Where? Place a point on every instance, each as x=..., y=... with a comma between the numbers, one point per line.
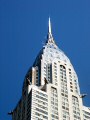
x=49, y=29
x=49, y=26
x=49, y=36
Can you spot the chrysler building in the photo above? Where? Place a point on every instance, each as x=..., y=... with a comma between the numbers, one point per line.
x=51, y=90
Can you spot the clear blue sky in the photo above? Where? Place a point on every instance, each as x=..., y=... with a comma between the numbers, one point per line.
x=23, y=30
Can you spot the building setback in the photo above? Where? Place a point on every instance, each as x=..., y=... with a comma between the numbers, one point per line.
x=51, y=89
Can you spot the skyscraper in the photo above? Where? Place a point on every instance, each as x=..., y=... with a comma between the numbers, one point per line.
x=50, y=89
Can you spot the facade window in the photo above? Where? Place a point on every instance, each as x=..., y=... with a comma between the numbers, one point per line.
x=76, y=111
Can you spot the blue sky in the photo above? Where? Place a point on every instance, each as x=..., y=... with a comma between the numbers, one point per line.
x=23, y=31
